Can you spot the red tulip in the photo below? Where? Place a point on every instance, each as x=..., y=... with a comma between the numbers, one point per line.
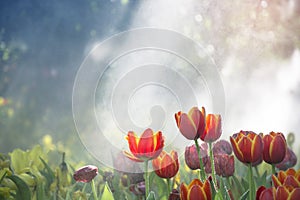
x=85, y=174
x=213, y=129
x=196, y=190
x=166, y=165
x=263, y=193
x=247, y=146
x=289, y=178
x=281, y=193
x=274, y=148
x=146, y=147
x=191, y=125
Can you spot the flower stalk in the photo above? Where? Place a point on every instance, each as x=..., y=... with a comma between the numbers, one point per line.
x=202, y=173
x=251, y=182
x=146, y=179
x=212, y=162
x=94, y=189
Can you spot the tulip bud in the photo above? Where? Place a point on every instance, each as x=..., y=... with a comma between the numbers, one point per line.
x=175, y=195
x=85, y=174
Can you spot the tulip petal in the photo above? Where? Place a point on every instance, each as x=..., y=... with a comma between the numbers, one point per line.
x=187, y=127
x=207, y=189
x=132, y=157
x=235, y=147
x=257, y=148
x=282, y=193
x=291, y=181
x=278, y=154
x=133, y=140
x=183, y=191
x=295, y=194
x=196, y=193
x=267, y=139
x=146, y=143
x=276, y=181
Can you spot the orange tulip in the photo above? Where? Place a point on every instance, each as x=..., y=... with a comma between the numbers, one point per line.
x=196, y=190
x=247, y=146
x=289, y=178
x=146, y=147
x=166, y=165
x=274, y=148
x=290, y=193
x=264, y=193
x=213, y=129
x=281, y=193
x=191, y=125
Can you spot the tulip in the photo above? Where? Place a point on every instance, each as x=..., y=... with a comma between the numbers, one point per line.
x=222, y=147
x=224, y=165
x=213, y=129
x=191, y=156
x=146, y=147
x=283, y=193
x=138, y=189
x=174, y=195
x=191, y=124
x=196, y=190
x=274, y=148
x=247, y=146
x=166, y=165
x=280, y=193
x=290, y=177
x=289, y=160
x=85, y=174
x=264, y=193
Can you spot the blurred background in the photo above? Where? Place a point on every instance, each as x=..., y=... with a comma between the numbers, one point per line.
x=255, y=45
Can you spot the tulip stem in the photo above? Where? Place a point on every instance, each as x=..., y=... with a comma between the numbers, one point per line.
x=251, y=182
x=94, y=189
x=212, y=164
x=273, y=169
x=146, y=179
x=169, y=186
x=202, y=173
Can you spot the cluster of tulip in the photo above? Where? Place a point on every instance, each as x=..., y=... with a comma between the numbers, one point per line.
x=215, y=158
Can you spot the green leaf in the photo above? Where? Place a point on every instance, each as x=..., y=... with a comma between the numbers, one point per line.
x=237, y=183
x=49, y=174
x=23, y=192
x=40, y=191
x=107, y=194
x=3, y=174
x=151, y=196
x=245, y=195
x=218, y=196
x=245, y=184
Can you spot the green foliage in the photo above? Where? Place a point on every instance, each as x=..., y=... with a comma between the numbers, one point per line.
x=23, y=192
x=151, y=196
x=107, y=194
